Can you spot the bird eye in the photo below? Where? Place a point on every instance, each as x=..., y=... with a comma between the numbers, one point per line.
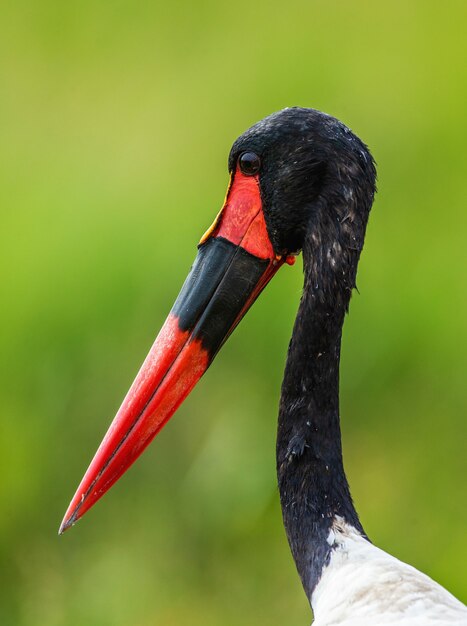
x=249, y=163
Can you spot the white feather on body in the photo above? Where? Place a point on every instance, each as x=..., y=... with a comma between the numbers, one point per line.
x=364, y=586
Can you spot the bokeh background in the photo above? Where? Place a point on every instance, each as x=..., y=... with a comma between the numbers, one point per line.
x=116, y=119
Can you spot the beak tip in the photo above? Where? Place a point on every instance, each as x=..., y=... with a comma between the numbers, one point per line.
x=67, y=522
x=65, y=525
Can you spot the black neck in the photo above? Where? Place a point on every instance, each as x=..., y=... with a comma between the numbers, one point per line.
x=312, y=483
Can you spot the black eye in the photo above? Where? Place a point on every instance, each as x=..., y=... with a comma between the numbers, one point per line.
x=249, y=163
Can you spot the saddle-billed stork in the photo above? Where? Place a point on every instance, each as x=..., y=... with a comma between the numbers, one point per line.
x=300, y=181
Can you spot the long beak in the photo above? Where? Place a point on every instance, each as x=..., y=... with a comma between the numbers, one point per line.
x=235, y=262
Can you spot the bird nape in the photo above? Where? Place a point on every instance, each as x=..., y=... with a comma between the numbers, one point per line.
x=300, y=181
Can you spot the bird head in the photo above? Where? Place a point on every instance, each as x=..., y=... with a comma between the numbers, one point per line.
x=299, y=179
x=314, y=174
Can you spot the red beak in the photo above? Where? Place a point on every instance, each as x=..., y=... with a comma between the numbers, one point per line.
x=235, y=262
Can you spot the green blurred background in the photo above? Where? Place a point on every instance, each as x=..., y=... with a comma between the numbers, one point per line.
x=116, y=119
